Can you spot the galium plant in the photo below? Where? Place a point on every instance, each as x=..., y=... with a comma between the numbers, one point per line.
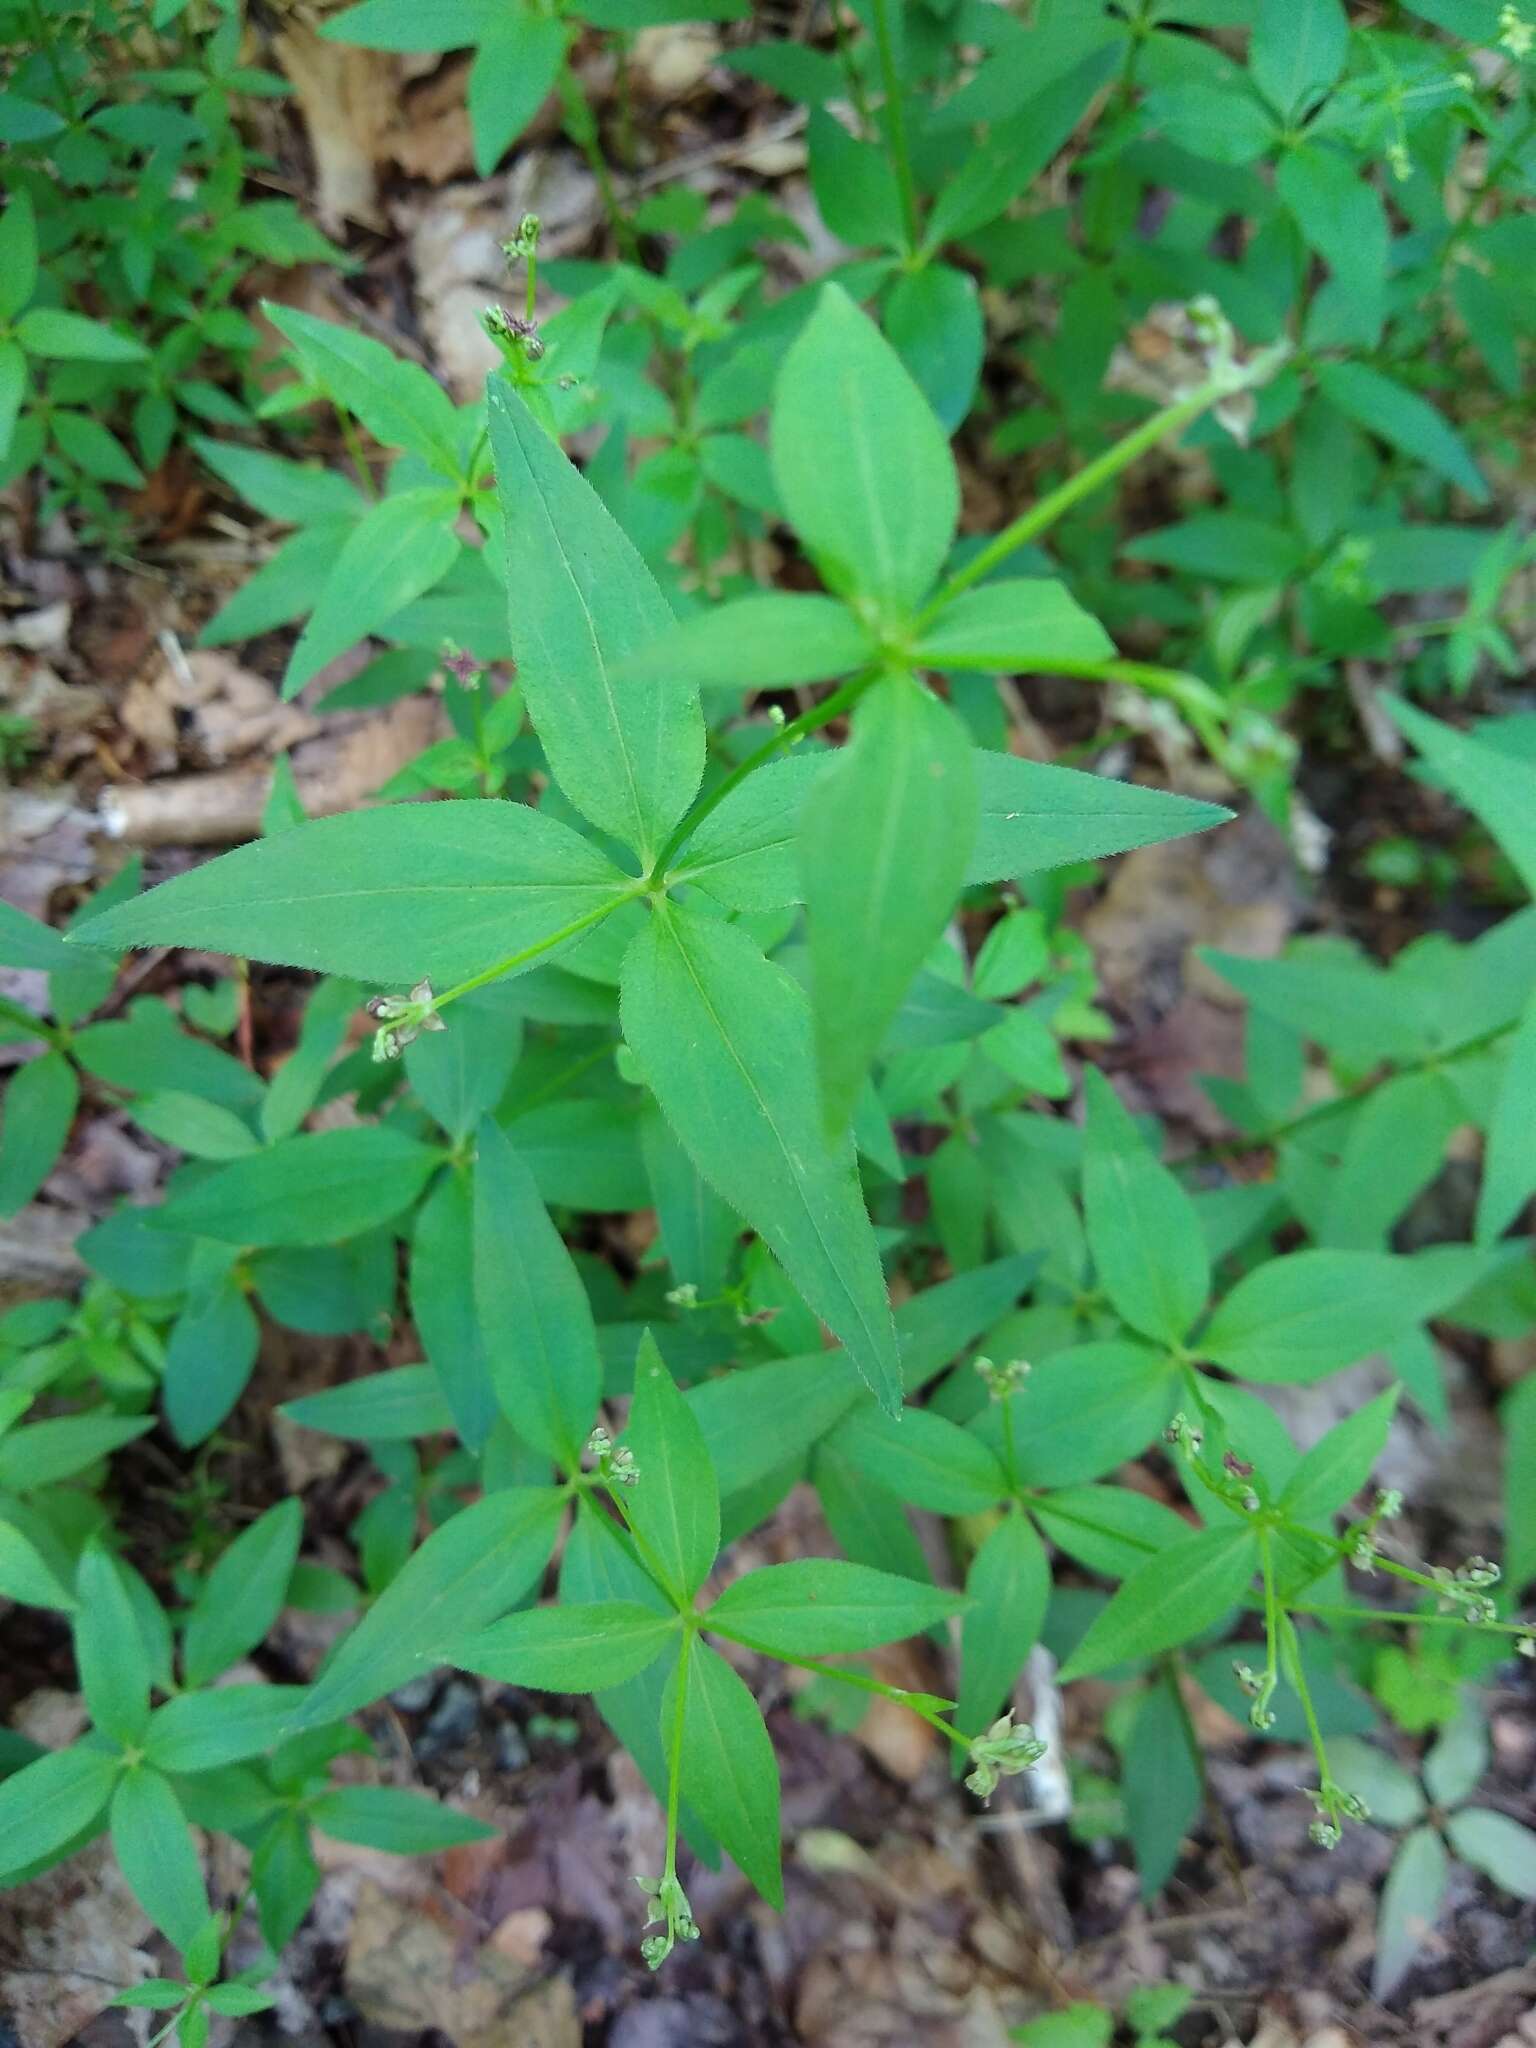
x=646, y=913
x=676, y=952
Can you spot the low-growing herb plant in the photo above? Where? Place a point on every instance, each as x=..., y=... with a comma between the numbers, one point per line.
x=670, y=947
x=127, y=232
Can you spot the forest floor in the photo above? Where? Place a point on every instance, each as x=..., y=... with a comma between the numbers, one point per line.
x=910, y=1914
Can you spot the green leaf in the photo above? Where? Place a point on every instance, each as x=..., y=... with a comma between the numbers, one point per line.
x=297, y=493
x=821, y=1607
x=1035, y=817
x=397, y=401
x=399, y=1823
x=767, y=641
x=536, y=1328
x=18, y=254
x=44, y=1452
x=209, y=1359
x=442, y=1294
x=40, y=1103
x=1497, y=1846
x=203, y=1130
x=1296, y=55
x=413, y=25
x=109, y=1649
x=1311, y=1312
x=46, y=1804
x=1403, y=420
x=1022, y=623
x=316, y=1188
x=1341, y=215
x=398, y=551
x=203, y=1731
x=585, y=1647
x=157, y=1855
x=26, y=942
x=922, y=1459
x=1509, y=1165
x=723, y=1037
x=242, y=1595
x=390, y=895
x=1163, y=1783
x=1518, y=1418
x=629, y=756
x=1007, y=1588
x=515, y=69
x=879, y=520
x=462, y=1074
x=1392, y=1793
x=94, y=449
x=13, y=391
x=884, y=839
x=467, y=1573
x=1143, y=1229
x=1336, y=1468
x=675, y=1506
x=1173, y=1597
x=382, y=1407
x=854, y=185
x=933, y=319
x=1085, y=1410
x=70, y=337
x=1411, y=1901
x=1231, y=546
x=1454, y=1767
x=730, y=1774
x=26, y=1576
x=1109, y=1529
x=1494, y=785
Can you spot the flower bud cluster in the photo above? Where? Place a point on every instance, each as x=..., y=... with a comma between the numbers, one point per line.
x=1002, y=1752
x=615, y=1463
x=402, y=1019
x=1002, y=1380
x=669, y=1904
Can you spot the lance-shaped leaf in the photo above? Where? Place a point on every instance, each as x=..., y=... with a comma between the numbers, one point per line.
x=675, y=1506
x=1035, y=817
x=1019, y=622
x=628, y=754
x=582, y=1648
x=1173, y=1597
x=1032, y=817
x=1008, y=1585
x=723, y=1037
x=763, y=642
x=536, y=1326
x=157, y=1854
x=1494, y=786
x=861, y=463
x=729, y=1773
x=884, y=840
x=396, y=553
x=1143, y=1229
x=466, y=1574
x=47, y=1803
x=389, y=895
x=315, y=1188
x=823, y=1606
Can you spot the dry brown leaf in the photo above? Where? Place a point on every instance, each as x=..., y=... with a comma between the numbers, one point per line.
x=68, y=1942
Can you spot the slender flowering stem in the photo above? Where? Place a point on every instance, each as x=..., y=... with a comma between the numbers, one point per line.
x=545, y=945
x=896, y=122
x=1045, y=512
x=842, y=699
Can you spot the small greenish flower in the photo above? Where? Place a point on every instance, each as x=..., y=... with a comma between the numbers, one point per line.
x=1389, y=1504
x=669, y=1904
x=1002, y=1380
x=402, y=1019
x=1002, y=1752
x=525, y=241
x=1516, y=34
x=686, y=1296
x=614, y=1465
x=1186, y=1435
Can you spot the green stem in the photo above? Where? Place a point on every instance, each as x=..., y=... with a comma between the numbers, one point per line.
x=1298, y=1679
x=1010, y=1448
x=544, y=945
x=582, y=129
x=1045, y=512
x=896, y=122
x=1326, y=1612
x=842, y=699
